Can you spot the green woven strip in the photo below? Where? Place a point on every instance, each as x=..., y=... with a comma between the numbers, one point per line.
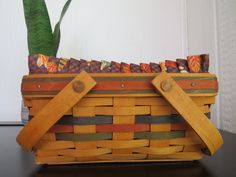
x=98, y=79
x=92, y=92
x=70, y=120
x=127, y=78
x=83, y=137
x=61, y=79
x=48, y=79
x=149, y=78
x=119, y=92
x=201, y=91
x=197, y=91
x=159, y=135
x=147, y=91
x=107, y=136
x=41, y=93
x=194, y=78
x=131, y=78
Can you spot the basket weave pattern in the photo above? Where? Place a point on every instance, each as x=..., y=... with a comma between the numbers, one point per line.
x=116, y=129
x=122, y=119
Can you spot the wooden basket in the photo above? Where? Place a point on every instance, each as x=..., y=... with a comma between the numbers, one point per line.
x=122, y=117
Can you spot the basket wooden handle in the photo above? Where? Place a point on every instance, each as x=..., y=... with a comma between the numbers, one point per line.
x=190, y=111
x=54, y=110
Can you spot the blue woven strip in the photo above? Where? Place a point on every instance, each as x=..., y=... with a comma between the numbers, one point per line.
x=158, y=119
x=70, y=120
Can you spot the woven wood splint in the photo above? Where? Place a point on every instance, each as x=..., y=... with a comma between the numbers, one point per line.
x=123, y=117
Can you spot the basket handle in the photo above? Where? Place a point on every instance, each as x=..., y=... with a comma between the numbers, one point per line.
x=54, y=110
x=175, y=95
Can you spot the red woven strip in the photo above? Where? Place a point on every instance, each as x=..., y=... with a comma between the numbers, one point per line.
x=43, y=86
x=119, y=85
x=123, y=128
x=182, y=126
x=198, y=84
x=104, y=85
x=61, y=129
x=123, y=85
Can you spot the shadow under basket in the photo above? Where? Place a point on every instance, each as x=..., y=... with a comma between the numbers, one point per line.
x=93, y=118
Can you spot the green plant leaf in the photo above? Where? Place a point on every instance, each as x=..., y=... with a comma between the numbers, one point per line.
x=27, y=6
x=40, y=38
x=57, y=31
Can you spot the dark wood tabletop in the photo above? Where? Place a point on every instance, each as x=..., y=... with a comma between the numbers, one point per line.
x=14, y=162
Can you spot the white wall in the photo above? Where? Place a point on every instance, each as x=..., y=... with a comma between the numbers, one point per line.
x=13, y=48
x=202, y=38
x=123, y=30
x=126, y=30
x=226, y=17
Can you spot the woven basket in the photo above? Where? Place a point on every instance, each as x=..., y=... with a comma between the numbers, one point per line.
x=89, y=118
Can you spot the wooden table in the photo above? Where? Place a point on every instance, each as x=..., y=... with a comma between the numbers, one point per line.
x=16, y=163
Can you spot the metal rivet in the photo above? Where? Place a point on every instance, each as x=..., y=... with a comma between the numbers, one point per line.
x=122, y=85
x=193, y=84
x=78, y=86
x=166, y=85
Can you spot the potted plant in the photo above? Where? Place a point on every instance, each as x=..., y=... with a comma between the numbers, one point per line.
x=41, y=38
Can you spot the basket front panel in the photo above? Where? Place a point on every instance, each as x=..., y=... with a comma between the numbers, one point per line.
x=118, y=129
x=122, y=119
